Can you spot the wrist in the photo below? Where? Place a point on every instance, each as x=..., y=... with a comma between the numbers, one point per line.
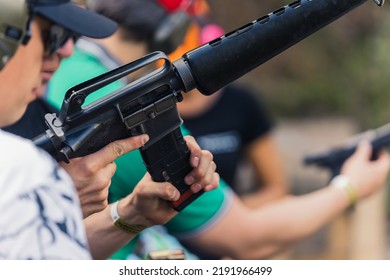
x=124, y=224
x=343, y=183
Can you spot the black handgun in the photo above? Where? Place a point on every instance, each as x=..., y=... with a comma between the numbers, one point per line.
x=148, y=104
x=334, y=157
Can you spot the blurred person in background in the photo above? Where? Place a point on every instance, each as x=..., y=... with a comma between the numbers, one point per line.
x=235, y=127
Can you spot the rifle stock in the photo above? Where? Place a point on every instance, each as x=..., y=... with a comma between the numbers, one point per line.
x=148, y=105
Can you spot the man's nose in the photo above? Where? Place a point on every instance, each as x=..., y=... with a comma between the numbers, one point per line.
x=67, y=49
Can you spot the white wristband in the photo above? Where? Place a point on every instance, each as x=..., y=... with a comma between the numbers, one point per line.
x=116, y=219
x=343, y=182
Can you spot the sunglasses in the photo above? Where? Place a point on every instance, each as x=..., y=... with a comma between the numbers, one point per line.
x=56, y=37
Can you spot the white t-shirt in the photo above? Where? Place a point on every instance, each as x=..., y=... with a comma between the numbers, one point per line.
x=40, y=214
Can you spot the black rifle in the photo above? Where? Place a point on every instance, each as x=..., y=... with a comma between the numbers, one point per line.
x=148, y=104
x=334, y=158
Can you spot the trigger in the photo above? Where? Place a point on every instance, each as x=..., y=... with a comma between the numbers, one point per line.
x=138, y=130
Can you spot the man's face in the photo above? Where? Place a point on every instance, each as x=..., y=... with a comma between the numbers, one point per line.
x=52, y=62
x=24, y=77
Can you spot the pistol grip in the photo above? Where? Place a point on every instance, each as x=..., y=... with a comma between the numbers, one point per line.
x=168, y=160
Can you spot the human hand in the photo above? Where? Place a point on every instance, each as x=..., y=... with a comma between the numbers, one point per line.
x=92, y=174
x=148, y=204
x=203, y=175
x=366, y=175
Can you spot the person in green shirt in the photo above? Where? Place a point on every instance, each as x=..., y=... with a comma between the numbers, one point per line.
x=217, y=223
x=94, y=59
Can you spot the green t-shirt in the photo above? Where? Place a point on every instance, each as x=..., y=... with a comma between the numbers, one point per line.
x=197, y=216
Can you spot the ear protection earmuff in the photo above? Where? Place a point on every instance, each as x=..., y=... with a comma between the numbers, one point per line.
x=14, y=27
x=172, y=30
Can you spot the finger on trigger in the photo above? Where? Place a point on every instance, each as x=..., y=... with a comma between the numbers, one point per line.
x=116, y=149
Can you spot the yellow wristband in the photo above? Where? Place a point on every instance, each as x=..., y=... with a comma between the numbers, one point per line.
x=135, y=229
x=343, y=182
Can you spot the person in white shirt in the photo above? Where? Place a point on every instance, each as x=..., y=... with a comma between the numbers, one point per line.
x=41, y=214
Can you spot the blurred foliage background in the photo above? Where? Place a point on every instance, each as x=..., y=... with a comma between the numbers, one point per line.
x=342, y=70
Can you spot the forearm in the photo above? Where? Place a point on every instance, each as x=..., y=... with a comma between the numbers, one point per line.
x=296, y=217
x=146, y=206
x=103, y=236
x=263, y=196
x=259, y=233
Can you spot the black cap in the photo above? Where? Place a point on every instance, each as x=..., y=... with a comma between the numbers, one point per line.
x=74, y=18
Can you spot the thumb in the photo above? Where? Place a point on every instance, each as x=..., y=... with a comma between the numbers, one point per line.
x=364, y=150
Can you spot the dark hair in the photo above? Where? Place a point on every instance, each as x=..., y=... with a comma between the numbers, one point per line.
x=138, y=19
